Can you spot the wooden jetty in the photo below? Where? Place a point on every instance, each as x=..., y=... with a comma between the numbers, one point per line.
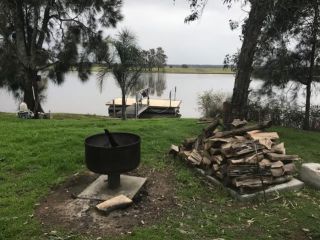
x=146, y=108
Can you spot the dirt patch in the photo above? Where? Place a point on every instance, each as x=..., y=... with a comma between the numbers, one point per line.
x=60, y=211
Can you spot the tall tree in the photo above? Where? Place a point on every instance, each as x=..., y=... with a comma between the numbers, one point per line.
x=50, y=36
x=126, y=65
x=291, y=49
x=151, y=58
x=251, y=31
x=161, y=58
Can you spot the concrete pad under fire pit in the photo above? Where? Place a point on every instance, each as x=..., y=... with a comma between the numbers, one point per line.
x=98, y=190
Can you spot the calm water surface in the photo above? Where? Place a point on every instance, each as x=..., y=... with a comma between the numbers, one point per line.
x=74, y=96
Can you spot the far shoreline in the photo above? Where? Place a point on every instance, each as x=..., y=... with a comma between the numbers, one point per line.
x=183, y=70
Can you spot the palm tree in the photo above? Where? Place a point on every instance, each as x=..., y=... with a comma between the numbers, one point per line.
x=126, y=65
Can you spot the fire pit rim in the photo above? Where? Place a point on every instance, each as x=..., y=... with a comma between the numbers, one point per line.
x=115, y=133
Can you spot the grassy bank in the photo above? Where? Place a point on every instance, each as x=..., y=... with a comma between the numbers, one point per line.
x=38, y=154
x=188, y=70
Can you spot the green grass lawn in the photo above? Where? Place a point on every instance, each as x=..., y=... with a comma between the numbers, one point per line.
x=36, y=155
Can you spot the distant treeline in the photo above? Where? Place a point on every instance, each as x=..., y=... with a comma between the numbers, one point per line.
x=195, y=65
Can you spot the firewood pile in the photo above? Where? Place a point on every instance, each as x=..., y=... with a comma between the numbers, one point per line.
x=245, y=158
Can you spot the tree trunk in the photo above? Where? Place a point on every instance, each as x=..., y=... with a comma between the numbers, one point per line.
x=123, y=108
x=31, y=93
x=251, y=32
x=306, y=122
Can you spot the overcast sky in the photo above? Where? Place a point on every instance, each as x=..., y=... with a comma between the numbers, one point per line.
x=161, y=23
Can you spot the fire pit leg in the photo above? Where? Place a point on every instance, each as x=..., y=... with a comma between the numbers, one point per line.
x=113, y=180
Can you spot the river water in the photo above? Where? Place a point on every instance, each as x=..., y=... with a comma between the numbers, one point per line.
x=74, y=96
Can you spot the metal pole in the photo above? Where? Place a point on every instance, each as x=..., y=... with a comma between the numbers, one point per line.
x=170, y=98
x=136, y=109
x=114, y=108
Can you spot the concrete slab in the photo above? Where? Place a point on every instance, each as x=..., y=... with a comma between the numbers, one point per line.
x=98, y=190
x=292, y=185
x=310, y=174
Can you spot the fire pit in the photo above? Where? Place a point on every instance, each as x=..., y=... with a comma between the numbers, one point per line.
x=112, y=154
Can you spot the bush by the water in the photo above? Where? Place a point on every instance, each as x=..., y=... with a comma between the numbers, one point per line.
x=210, y=103
x=280, y=110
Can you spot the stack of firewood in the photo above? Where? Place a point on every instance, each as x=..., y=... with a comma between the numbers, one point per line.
x=245, y=158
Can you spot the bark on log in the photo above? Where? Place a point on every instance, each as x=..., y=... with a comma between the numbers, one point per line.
x=243, y=130
x=282, y=157
x=208, y=131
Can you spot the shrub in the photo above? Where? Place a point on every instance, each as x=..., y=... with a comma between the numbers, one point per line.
x=210, y=103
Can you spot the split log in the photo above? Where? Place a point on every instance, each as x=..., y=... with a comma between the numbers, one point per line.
x=265, y=163
x=188, y=142
x=278, y=148
x=289, y=168
x=117, y=202
x=208, y=131
x=282, y=157
x=277, y=172
x=215, y=167
x=195, y=158
x=255, y=182
x=240, y=149
x=251, y=159
x=282, y=179
x=240, y=138
x=277, y=164
x=263, y=135
x=217, y=142
x=174, y=150
x=237, y=123
x=184, y=154
x=214, y=151
x=251, y=181
x=217, y=159
x=240, y=131
x=239, y=170
x=266, y=142
x=206, y=162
